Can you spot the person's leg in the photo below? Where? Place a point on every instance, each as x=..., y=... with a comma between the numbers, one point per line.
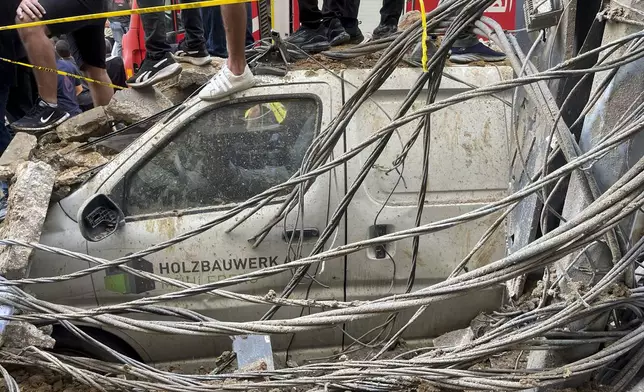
x=87, y=46
x=349, y=17
x=193, y=48
x=154, y=26
x=391, y=11
x=24, y=94
x=117, y=32
x=389, y=16
x=311, y=36
x=310, y=14
x=158, y=64
x=249, y=25
x=41, y=53
x=101, y=95
x=193, y=24
x=206, y=16
x=45, y=114
x=5, y=135
x=234, y=16
x=235, y=75
x=332, y=11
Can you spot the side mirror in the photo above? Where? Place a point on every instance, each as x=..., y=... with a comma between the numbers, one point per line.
x=99, y=218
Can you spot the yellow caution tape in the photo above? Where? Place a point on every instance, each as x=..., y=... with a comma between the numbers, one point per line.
x=423, y=18
x=137, y=11
x=63, y=73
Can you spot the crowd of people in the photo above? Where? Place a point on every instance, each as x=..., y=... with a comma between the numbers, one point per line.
x=81, y=48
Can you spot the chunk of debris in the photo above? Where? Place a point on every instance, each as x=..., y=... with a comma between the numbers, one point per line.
x=18, y=334
x=28, y=203
x=456, y=338
x=19, y=150
x=88, y=124
x=408, y=20
x=131, y=106
x=193, y=76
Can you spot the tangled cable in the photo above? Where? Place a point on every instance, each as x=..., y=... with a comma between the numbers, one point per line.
x=513, y=329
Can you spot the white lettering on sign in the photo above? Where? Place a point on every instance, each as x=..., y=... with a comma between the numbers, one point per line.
x=500, y=6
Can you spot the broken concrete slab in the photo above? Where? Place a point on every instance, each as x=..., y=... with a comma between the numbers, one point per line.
x=19, y=150
x=455, y=338
x=131, y=106
x=28, y=204
x=91, y=123
x=18, y=334
x=193, y=76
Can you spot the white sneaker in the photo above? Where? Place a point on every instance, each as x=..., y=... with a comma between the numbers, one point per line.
x=226, y=83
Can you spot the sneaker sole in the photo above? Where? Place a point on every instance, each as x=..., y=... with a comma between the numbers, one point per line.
x=168, y=72
x=40, y=130
x=470, y=58
x=198, y=61
x=207, y=97
x=341, y=39
x=315, y=48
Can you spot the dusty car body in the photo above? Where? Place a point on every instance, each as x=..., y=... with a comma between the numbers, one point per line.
x=205, y=158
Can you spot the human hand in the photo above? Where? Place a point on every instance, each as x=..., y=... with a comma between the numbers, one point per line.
x=31, y=9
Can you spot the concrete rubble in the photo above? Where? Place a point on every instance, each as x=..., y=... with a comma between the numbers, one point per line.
x=28, y=204
x=131, y=106
x=95, y=122
x=459, y=337
x=19, y=150
x=20, y=335
x=191, y=78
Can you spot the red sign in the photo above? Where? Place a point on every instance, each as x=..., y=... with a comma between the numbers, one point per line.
x=503, y=11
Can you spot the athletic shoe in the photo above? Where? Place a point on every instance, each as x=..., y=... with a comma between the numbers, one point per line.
x=40, y=118
x=384, y=31
x=355, y=35
x=310, y=40
x=154, y=71
x=336, y=34
x=226, y=83
x=198, y=56
x=478, y=52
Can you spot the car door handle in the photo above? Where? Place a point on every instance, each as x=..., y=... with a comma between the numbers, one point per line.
x=295, y=234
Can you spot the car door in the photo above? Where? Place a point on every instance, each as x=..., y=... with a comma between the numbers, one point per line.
x=209, y=159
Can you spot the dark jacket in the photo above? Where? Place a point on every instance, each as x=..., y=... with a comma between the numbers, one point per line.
x=10, y=46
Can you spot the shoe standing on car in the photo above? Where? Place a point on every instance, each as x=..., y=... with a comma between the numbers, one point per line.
x=389, y=16
x=235, y=75
x=336, y=24
x=87, y=42
x=160, y=63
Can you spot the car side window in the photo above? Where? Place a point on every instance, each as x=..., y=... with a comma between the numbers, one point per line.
x=225, y=155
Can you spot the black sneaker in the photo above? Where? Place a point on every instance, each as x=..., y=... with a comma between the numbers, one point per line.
x=40, y=118
x=310, y=40
x=154, y=71
x=384, y=31
x=336, y=34
x=355, y=35
x=478, y=52
x=198, y=56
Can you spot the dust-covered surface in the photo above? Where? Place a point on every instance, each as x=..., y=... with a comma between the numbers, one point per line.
x=34, y=380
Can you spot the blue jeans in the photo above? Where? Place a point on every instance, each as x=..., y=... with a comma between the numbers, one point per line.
x=215, y=33
x=118, y=31
x=5, y=135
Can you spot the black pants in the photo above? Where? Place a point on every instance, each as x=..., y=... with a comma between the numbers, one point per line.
x=391, y=11
x=155, y=26
x=345, y=10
